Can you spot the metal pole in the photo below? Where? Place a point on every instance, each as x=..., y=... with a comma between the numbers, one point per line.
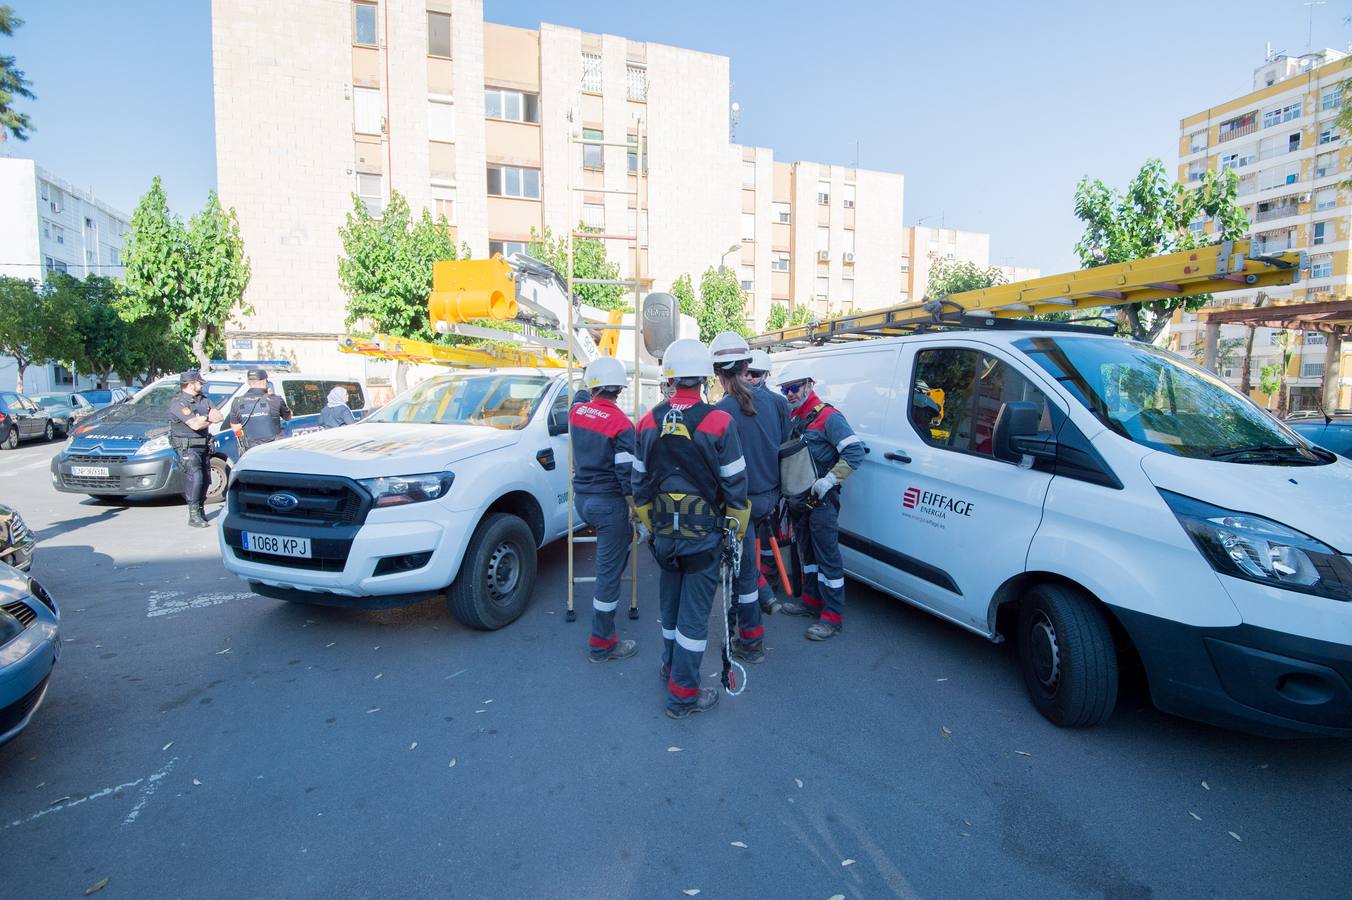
x=570, y=614
x=640, y=188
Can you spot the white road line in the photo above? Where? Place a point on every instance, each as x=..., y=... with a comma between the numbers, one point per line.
x=94, y=796
x=152, y=785
x=168, y=603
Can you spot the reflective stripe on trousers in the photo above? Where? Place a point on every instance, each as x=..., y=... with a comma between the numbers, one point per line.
x=609, y=515
x=818, y=534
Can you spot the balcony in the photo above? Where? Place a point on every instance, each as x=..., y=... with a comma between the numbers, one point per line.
x=1238, y=132
x=636, y=83
x=1276, y=212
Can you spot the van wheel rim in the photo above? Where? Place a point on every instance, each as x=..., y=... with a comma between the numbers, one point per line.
x=504, y=573
x=1045, y=652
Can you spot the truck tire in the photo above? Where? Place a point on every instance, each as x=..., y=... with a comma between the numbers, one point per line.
x=496, y=576
x=220, y=479
x=1067, y=656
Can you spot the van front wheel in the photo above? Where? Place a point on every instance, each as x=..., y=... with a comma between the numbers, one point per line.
x=1067, y=656
x=496, y=576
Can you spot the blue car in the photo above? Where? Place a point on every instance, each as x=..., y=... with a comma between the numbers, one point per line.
x=1332, y=433
x=30, y=644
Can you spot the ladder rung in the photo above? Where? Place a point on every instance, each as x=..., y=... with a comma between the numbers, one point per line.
x=585, y=540
x=588, y=579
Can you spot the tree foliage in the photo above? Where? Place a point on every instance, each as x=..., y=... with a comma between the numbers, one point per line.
x=953, y=276
x=1149, y=218
x=589, y=261
x=36, y=327
x=13, y=84
x=386, y=269
x=720, y=306
x=99, y=340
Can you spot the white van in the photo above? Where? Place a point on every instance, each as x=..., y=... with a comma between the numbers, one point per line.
x=1097, y=499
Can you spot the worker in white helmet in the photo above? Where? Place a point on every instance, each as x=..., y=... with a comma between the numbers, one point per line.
x=757, y=377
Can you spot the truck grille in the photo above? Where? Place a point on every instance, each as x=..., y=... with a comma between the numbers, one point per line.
x=320, y=499
x=292, y=562
x=21, y=611
x=83, y=459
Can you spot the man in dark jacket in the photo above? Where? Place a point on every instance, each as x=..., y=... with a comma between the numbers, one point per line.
x=191, y=416
x=259, y=412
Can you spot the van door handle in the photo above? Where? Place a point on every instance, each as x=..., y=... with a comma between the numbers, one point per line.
x=896, y=456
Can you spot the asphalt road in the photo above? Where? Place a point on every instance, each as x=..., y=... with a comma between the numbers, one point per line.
x=200, y=741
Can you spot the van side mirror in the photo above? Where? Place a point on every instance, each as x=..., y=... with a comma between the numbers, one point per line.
x=1017, y=435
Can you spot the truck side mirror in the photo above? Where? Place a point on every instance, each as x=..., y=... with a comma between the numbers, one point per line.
x=1017, y=435
x=661, y=322
x=558, y=419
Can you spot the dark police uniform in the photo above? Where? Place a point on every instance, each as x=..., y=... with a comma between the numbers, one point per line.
x=193, y=445
x=259, y=413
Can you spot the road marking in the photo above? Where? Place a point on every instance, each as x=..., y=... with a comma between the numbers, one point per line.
x=94, y=796
x=152, y=785
x=169, y=603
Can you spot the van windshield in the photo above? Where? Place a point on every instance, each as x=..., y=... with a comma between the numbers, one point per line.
x=497, y=401
x=1152, y=398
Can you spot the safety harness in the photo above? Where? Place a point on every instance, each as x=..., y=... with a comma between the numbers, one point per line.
x=797, y=469
x=730, y=568
x=688, y=500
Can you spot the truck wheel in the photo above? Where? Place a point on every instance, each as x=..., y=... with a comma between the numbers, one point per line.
x=220, y=479
x=496, y=576
x=1067, y=656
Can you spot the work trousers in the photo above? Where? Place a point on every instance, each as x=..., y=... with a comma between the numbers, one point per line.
x=686, y=599
x=194, y=458
x=817, y=533
x=609, y=515
x=749, y=583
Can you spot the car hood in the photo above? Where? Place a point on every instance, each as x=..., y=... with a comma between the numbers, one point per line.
x=122, y=422
x=374, y=449
x=1312, y=499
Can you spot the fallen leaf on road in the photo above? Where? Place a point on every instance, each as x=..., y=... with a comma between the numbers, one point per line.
x=485, y=702
x=739, y=844
x=481, y=710
x=673, y=749
x=451, y=765
x=330, y=644
x=941, y=679
x=967, y=822
x=1235, y=836
x=373, y=709
x=413, y=746
x=223, y=652
x=1023, y=752
x=946, y=732
x=965, y=833
x=166, y=746
x=836, y=897
x=376, y=647
x=196, y=783
x=1205, y=785
x=690, y=892
x=59, y=800
x=847, y=862
x=96, y=887
x=1194, y=815
x=550, y=612
x=798, y=781
x=379, y=676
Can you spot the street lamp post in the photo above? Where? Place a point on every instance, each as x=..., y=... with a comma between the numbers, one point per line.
x=722, y=266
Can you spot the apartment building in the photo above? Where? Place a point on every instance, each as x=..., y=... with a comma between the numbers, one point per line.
x=923, y=247
x=49, y=225
x=502, y=130
x=1281, y=140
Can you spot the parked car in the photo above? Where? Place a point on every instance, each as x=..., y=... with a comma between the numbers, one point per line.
x=123, y=450
x=100, y=399
x=65, y=409
x=30, y=645
x=16, y=541
x=22, y=420
x=1334, y=434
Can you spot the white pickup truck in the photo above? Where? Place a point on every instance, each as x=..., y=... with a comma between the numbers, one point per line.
x=452, y=486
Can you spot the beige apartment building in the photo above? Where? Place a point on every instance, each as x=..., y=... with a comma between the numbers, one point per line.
x=923, y=247
x=1281, y=140
x=482, y=123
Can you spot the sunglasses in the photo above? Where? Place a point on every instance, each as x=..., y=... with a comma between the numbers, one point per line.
x=792, y=388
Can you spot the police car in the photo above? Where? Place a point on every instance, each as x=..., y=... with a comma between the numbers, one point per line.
x=123, y=450
x=1095, y=500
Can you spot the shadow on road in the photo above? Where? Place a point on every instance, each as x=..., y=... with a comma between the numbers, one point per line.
x=70, y=525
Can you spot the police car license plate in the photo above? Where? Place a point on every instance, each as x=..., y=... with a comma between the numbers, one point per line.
x=90, y=471
x=277, y=545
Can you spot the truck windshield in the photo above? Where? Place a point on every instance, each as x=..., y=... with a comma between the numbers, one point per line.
x=494, y=400
x=1152, y=398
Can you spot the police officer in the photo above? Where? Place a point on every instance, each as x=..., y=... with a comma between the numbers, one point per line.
x=762, y=425
x=836, y=452
x=259, y=412
x=603, y=461
x=191, y=416
x=756, y=377
x=689, y=485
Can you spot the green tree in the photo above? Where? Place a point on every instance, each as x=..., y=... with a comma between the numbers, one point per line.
x=1152, y=217
x=778, y=318
x=100, y=335
x=589, y=261
x=151, y=350
x=720, y=306
x=216, y=277
x=953, y=276
x=37, y=326
x=1344, y=120
x=12, y=84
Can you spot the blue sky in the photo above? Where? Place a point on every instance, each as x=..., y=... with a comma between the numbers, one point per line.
x=992, y=110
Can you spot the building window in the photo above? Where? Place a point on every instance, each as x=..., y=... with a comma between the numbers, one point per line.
x=848, y=202
x=1278, y=176
x=513, y=106
x=848, y=248
x=748, y=174
x=636, y=82
x=511, y=181
x=506, y=248
x=748, y=226
x=1319, y=233
x=848, y=284
x=440, y=121
x=1325, y=164
x=1284, y=114
x=58, y=200
x=591, y=72
x=1197, y=142
x=594, y=216
x=1329, y=133
x=1197, y=228
x=823, y=238
x=748, y=278
x=89, y=223
x=438, y=34
x=1311, y=370
x=1326, y=198
x=1321, y=267
x=823, y=193
x=58, y=233
x=779, y=262
x=366, y=111
x=783, y=212
x=593, y=155
x=823, y=286
x=1195, y=169
x=54, y=265
x=42, y=190
x=1239, y=125
x=1331, y=97
x=443, y=202
x=114, y=256
x=364, y=24
x=371, y=192
x=633, y=154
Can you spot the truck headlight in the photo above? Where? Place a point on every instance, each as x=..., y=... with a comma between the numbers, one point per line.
x=154, y=445
x=397, y=490
x=1257, y=549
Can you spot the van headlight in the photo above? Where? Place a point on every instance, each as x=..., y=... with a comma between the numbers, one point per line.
x=397, y=490
x=154, y=445
x=1261, y=550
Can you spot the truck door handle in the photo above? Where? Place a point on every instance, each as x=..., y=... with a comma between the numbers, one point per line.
x=896, y=456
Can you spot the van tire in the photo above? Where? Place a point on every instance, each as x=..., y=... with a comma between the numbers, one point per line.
x=496, y=576
x=1067, y=656
x=220, y=480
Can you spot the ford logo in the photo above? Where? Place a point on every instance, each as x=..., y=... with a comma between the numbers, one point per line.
x=283, y=502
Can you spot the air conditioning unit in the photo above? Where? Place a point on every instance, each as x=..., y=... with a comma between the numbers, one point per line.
x=849, y=257
x=1303, y=198
x=823, y=255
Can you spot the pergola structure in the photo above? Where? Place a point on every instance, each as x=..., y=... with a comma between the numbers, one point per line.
x=1332, y=317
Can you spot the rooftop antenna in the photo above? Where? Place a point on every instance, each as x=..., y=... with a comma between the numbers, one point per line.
x=1309, y=37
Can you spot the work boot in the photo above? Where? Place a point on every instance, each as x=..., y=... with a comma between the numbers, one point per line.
x=822, y=631
x=195, y=517
x=748, y=651
x=620, y=650
x=707, y=700
x=796, y=608
x=769, y=603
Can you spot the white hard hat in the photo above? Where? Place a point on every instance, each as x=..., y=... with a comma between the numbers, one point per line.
x=727, y=348
x=797, y=370
x=605, y=372
x=760, y=361
x=687, y=358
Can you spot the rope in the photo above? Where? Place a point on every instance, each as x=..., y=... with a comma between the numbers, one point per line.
x=731, y=567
